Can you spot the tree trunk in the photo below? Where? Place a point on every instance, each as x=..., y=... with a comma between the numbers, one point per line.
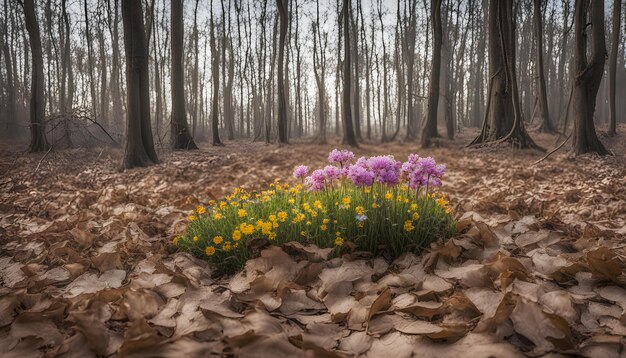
x=504, y=121
x=546, y=123
x=430, y=128
x=90, y=65
x=38, y=140
x=216, y=86
x=139, y=150
x=587, y=76
x=180, y=136
x=349, y=136
x=615, y=34
x=282, y=102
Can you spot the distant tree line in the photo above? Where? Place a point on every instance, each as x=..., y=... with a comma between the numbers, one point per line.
x=175, y=73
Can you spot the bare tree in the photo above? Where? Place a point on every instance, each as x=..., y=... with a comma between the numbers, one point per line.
x=180, y=136
x=139, y=150
x=282, y=89
x=216, y=86
x=503, y=116
x=38, y=140
x=349, y=136
x=430, y=127
x=546, y=123
x=587, y=74
x=615, y=35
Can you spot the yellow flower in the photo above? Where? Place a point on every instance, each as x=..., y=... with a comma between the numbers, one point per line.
x=334, y=221
x=218, y=216
x=339, y=242
x=271, y=236
x=309, y=223
x=176, y=240
x=291, y=201
x=218, y=240
x=306, y=206
x=317, y=204
x=242, y=213
x=236, y=235
x=200, y=210
x=192, y=217
x=247, y=229
x=374, y=205
x=282, y=216
x=388, y=196
x=415, y=216
x=195, y=239
x=359, y=210
x=325, y=221
x=406, y=200
x=222, y=204
x=399, y=198
x=338, y=233
x=266, y=228
x=299, y=217
x=302, y=233
x=234, y=203
x=226, y=246
x=408, y=226
x=272, y=218
x=210, y=251
x=346, y=201
x=367, y=190
x=413, y=206
x=323, y=227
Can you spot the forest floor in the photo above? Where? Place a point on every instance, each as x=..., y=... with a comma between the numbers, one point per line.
x=87, y=266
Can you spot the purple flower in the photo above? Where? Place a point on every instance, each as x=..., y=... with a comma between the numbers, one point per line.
x=422, y=171
x=332, y=172
x=385, y=168
x=316, y=181
x=301, y=171
x=360, y=176
x=340, y=156
x=361, y=218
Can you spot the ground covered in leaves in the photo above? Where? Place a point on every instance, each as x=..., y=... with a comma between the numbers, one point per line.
x=87, y=267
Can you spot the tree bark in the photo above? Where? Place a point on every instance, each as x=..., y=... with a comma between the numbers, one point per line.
x=282, y=102
x=587, y=76
x=180, y=136
x=546, y=123
x=615, y=35
x=38, y=140
x=349, y=136
x=430, y=127
x=139, y=150
x=216, y=86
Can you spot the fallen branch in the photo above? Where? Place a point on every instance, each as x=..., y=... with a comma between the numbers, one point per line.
x=42, y=158
x=552, y=151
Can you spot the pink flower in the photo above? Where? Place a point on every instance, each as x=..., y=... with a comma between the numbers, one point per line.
x=301, y=171
x=340, y=156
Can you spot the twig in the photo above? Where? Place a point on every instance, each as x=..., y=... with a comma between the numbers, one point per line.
x=42, y=158
x=552, y=151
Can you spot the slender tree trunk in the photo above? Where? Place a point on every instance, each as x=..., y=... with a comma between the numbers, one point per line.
x=349, y=136
x=282, y=102
x=546, y=123
x=216, y=86
x=90, y=65
x=430, y=128
x=38, y=140
x=139, y=143
x=587, y=75
x=180, y=136
x=615, y=35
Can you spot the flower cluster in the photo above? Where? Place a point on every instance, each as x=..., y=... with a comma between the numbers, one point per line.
x=372, y=203
x=417, y=172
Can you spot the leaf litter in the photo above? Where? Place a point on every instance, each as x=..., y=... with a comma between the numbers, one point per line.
x=87, y=268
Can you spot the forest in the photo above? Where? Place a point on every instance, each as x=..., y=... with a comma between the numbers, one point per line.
x=347, y=178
